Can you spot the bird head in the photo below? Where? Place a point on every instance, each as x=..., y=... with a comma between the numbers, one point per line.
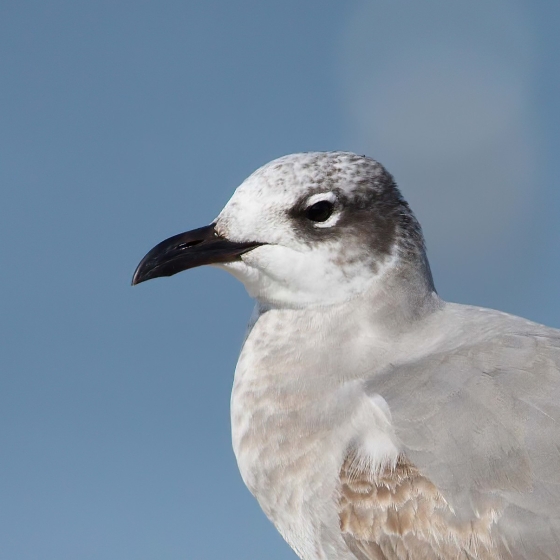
x=304, y=230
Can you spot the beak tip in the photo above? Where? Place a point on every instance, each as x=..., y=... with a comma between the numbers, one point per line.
x=139, y=276
x=136, y=277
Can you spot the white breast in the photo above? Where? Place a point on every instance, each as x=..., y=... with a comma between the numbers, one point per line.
x=292, y=430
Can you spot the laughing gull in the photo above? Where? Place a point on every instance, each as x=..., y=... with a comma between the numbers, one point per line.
x=371, y=419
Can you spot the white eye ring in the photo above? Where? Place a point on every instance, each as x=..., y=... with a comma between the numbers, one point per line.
x=328, y=197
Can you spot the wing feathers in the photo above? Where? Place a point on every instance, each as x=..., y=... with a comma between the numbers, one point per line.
x=399, y=514
x=479, y=471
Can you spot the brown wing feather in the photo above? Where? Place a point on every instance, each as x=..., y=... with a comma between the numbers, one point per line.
x=398, y=514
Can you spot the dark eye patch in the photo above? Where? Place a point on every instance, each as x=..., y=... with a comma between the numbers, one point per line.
x=320, y=211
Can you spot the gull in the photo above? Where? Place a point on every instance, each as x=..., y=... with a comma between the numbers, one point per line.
x=371, y=419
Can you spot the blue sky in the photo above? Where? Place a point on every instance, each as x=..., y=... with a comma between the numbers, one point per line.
x=122, y=123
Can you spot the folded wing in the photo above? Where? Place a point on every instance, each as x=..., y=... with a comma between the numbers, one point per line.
x=479, y=470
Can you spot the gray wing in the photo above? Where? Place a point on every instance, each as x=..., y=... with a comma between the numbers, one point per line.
x=481, y=425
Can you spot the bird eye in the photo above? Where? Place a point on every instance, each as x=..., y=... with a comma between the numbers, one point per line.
x=320, y=211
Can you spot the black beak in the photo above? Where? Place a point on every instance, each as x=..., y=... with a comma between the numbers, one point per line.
x=187, y=250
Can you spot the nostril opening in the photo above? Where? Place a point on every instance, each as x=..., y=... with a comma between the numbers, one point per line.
x=188, y=244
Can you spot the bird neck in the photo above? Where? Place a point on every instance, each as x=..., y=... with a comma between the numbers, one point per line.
x=399, y=296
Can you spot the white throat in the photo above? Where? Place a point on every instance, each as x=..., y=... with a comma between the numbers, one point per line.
x=282, y=277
